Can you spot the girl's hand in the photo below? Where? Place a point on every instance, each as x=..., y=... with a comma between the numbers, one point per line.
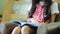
x=42, y=23
x=32, y=20
x=29, y=20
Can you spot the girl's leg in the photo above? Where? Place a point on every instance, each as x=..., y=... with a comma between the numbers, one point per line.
x=26, y=30
x=16, y=30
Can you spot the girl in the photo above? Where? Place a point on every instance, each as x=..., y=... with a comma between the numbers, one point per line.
x=42, y=12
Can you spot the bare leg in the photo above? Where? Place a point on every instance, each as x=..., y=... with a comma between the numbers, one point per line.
x=25, y=30
x=17, y=30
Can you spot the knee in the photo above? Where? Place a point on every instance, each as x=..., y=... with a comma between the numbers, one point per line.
x=17, y=29
x=26, y=28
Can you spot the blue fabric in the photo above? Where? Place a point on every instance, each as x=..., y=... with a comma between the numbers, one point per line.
x=29, y=25
x=24, y=24
x=16, y=22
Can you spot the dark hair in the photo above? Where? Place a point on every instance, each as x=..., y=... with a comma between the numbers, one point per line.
x=34, y=2
x=32, y=10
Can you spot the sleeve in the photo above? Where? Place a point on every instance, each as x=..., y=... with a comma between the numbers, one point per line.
x=54, y=8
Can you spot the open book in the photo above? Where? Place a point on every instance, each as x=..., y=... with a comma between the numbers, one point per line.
x=26, y=23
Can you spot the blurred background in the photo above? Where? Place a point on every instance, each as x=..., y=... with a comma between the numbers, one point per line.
x=11, y=10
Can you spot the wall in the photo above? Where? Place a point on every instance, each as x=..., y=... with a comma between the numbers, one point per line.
x=7, y=11
x=2, y=5
x=8, y=14
x=24, y=6
x=58, y=1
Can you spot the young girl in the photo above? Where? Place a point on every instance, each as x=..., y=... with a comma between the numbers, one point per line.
x=42, y=12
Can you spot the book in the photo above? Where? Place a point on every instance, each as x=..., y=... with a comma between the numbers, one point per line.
x=26, y=23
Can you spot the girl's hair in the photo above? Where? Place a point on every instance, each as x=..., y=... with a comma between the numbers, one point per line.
x=33, y=8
